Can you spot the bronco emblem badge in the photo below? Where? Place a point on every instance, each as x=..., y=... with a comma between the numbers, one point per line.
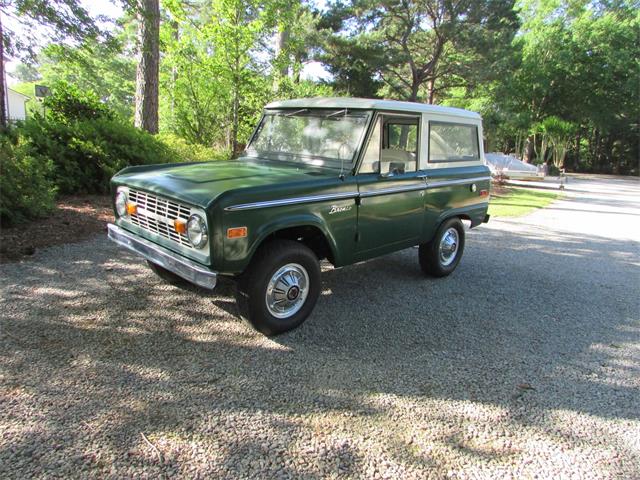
x=337, y=209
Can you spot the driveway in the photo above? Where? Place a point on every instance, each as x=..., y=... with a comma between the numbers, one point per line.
x=525, y=362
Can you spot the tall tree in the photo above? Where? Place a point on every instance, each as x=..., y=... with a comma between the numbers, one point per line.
x=65, y=18
x=147, y=75
x=417, y=45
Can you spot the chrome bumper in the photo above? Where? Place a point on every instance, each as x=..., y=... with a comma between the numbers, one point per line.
x=185, y=268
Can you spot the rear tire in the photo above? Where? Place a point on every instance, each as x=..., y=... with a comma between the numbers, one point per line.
x=441, y=256
x=280, y=288
x=169, y=277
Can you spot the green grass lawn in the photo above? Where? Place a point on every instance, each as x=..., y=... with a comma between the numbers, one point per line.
x=516, y=202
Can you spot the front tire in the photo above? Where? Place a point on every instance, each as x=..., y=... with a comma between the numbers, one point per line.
x=441, y=256
x=280, y=288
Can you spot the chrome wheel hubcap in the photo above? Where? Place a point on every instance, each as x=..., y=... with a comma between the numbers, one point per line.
x=287, y=290
x=448, y=248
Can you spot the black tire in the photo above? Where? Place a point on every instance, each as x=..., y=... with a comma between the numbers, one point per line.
x=252, y=286
x=429, y=254
x=169, y=277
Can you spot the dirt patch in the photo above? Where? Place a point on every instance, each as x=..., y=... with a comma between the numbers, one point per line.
x=74, y=219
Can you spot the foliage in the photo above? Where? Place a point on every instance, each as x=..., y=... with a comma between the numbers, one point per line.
x=214, y=79
x=76, y=147
x=26, y=72
x=68, y=103
x=516, y=202
x=106, y=68
x=418, y=49
x=577, y=65
x=87, y=153
x=183, y=151
x=26, y=189
x=66, y=19
x=87, y=143
x=558, y=133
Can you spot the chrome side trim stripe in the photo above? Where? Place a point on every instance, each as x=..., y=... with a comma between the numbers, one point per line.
x=293, y=201
x=462, y=181
x=345, y=195
x=384, y=191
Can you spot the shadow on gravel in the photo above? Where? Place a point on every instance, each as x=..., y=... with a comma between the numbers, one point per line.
x=97, y=352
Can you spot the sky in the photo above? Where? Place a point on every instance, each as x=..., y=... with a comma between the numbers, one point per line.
x=310, y=71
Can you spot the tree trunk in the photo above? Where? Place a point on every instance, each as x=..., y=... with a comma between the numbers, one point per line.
x=596, y=157
x=297, y=69
x=174, y=72
x=431, y=88
x=3, y=90
x=576, y=159
x=281, y=46
x=146, y=115
x=529, y=149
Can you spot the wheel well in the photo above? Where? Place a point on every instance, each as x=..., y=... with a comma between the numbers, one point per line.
x=461, y=216
x=308, y=235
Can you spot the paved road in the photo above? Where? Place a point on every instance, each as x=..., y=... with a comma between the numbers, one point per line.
x=525, y=362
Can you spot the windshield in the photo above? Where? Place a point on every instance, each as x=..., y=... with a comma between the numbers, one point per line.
x=310, y=135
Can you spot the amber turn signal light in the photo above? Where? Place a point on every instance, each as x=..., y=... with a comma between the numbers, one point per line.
x=180, y=226
x=484, y=193
x=132, y=208
x=237, y=232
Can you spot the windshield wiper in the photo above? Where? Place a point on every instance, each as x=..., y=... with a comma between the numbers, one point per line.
x=296, y=112
x=344, y=110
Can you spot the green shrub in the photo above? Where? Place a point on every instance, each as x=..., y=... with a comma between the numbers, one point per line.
x=68, y=103
x=86, y=143
x=87, y=153
x=184, y=151
x=26, y=189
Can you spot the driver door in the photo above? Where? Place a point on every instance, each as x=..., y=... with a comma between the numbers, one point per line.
x=391, y=210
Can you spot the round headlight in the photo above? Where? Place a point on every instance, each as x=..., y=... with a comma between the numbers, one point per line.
x=197, y=231
x=121, y=204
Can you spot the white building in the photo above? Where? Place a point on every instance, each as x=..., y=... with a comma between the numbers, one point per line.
x=16, y=105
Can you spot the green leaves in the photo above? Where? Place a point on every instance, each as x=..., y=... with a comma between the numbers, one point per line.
x=417, y=50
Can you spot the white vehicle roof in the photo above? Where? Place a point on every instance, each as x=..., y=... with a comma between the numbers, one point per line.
x=371, y=104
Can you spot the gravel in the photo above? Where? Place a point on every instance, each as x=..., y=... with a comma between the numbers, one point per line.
x=524, y=363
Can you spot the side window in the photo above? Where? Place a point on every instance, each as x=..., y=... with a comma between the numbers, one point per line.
x=393, y=145
x=453, y=142
x=399, y=152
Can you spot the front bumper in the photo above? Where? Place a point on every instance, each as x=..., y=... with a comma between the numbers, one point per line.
x=183, y=267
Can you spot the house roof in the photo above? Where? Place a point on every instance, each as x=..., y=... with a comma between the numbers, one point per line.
x=370, y=104
x=26, y=97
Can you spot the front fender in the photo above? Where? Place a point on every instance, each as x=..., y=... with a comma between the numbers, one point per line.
x=239, y=252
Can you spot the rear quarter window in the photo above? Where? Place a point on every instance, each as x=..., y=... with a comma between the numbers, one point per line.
x=453, y=142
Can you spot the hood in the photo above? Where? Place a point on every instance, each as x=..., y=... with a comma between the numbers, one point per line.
x=199, y=184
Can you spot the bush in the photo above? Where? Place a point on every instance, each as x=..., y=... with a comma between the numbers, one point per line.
x=184, y=151
x=67, y=103
x=26, y=189
x=84, y=143
x=87, y=153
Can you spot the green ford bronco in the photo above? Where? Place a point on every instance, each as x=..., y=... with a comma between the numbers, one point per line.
x=341, y=179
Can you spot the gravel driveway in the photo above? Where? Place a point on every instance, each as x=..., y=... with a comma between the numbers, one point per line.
x=524, y=363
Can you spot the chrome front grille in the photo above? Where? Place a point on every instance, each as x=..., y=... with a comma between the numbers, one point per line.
x=157, y=215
